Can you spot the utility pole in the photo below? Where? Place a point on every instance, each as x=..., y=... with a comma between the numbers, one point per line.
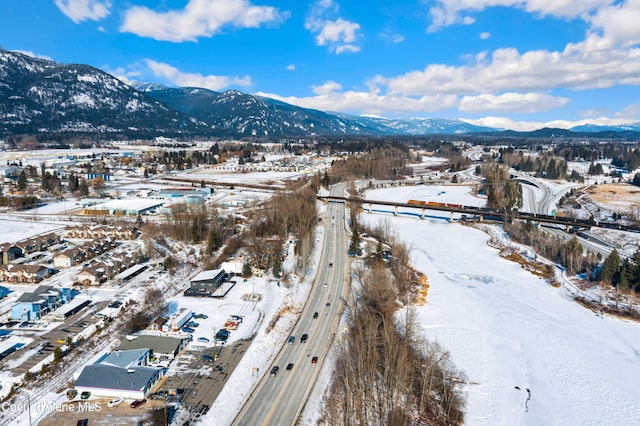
x=29, y=408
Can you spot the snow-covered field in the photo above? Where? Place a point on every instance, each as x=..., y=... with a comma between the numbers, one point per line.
x=12, y=230
x=530, y=354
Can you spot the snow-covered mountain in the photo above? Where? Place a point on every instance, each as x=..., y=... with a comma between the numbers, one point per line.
x=238, y=113
x=593, y=128
x=38, y=95
x=42, y=96
x=420, y=126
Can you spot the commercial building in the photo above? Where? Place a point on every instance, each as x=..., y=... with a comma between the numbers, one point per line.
x=118, y=382
x=206, y=283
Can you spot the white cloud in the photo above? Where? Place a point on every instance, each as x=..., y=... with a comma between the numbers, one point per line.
x=81, y=10
x=468, y=20
x=593, y=63
x=631, y=112
x=291, y=67
x=329, y=98
x=199, y=18
x=338, y=34
x=511, y=102
x=391, y=37
x=485, y=35
x=33, y=55
x=618, y=23
x=448, y=12
x=184, y=79
x=328, y=88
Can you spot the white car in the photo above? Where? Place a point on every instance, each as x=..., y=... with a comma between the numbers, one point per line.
x=115, y=402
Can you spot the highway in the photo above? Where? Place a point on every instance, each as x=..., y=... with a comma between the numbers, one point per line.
x=279, y=399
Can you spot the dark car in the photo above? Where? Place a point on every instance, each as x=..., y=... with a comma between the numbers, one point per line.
x=138, y=402
x=314, y=360
x=192, y=324
x=207, y=358
x=275, y=370
x=82, y=422
x=292, y=339
x=85, y=395
x=328, y=304
x=304, y=338
x=290, y=366
x=315, y=315
x=330, y=265
x=188, y=329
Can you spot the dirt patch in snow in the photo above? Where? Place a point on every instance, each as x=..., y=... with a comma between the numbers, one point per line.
x=616, y=195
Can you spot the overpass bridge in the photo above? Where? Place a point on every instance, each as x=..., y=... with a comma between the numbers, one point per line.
x=484, y=213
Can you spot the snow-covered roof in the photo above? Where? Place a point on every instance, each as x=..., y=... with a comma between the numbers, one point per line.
x=209, y=275
x=102, y=376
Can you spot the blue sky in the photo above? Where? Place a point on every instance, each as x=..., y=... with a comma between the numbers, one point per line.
x=518, y=64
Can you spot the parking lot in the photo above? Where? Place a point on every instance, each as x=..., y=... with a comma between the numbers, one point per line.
x=198, y=381
x=46, y=342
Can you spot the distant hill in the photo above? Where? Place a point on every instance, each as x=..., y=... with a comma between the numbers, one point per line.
x=39, y=96
x=592, y=128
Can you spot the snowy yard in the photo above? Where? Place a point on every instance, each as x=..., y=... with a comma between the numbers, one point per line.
x=530, y=354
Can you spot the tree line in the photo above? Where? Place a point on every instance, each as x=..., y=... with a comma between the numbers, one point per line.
x=384, y=372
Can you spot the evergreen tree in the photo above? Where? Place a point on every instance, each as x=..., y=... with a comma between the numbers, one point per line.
x=247, y=271
x=354, y=244
x=22, y=181
x=83, y=188
x=610, y=267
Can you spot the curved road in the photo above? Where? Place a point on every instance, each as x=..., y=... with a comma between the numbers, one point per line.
x=279, y=399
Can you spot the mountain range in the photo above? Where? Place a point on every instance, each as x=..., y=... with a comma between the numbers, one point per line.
x=39, y=96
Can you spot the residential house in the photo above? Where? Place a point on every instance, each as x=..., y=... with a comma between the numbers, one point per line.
x=93, y=275
x=24, y=273
x=70, y=257
x=44, y=299
x=9, y=252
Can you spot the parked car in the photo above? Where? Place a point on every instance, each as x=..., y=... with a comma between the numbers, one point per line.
x=188, y=329
x=324, y=285
x=289, y=366
x=115, y=304
x=72, y=393
x=192, y=324
x=158, y=395
x=203, y=340
x=236, y=318
x=275, y=370
x=330, y=265
x=207, y=358
x=85, y=395
x=314, y=360
x=304, y=338
x=82, y=422
x=137, y=403
x=114, y=402
x=315, y=315
x=328, y=304
x=200, y=316
x=292, y=339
